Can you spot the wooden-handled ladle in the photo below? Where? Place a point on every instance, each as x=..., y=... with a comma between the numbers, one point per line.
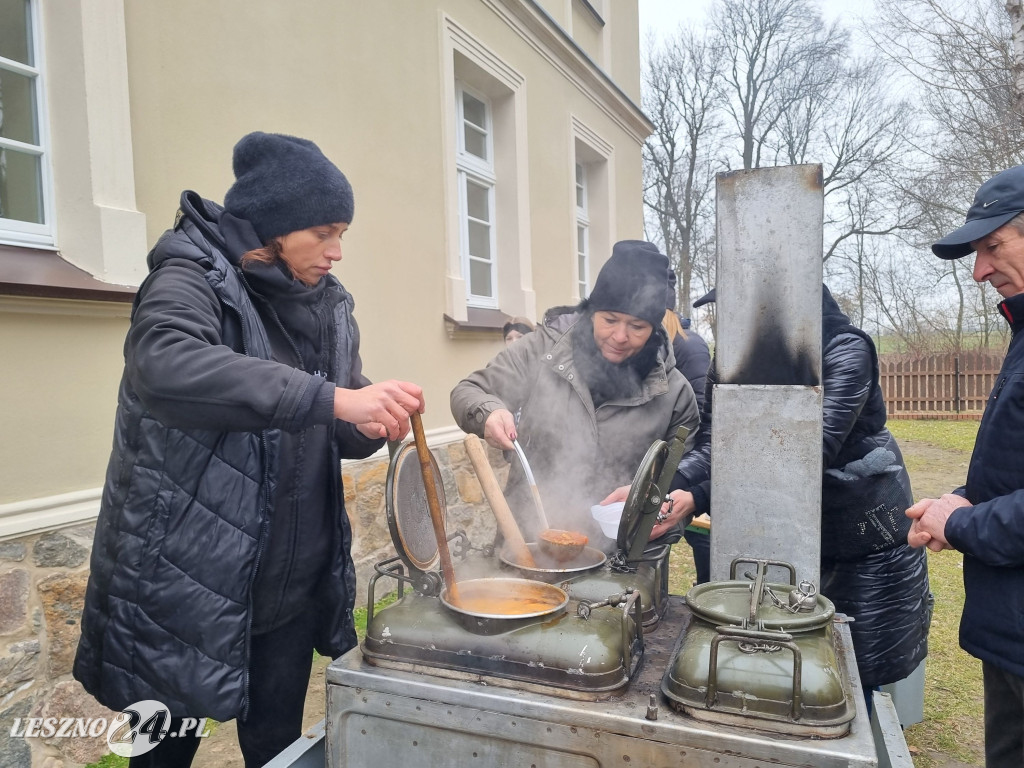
x=436, y=516
x=499, y=506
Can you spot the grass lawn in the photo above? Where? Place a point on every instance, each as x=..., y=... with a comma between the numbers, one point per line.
x=953, y=699
x=953, y=692
x=949, y=435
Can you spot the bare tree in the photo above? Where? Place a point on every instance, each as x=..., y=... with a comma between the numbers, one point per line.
x=680, y=97
x=779, y=54
x=903, y=304
x=1015, y=9
x=904, y=137
x=860, y=134
x=959, y=57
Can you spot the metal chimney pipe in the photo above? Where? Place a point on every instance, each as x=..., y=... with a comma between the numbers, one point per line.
x=766, y=441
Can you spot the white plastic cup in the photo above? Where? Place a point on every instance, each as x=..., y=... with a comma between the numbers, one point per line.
x=608, y=517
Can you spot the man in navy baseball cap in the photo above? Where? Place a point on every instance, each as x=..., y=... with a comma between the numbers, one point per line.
x=984, y=519
x=996, y=202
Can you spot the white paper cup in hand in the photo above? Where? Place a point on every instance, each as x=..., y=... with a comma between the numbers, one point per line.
x=608, y=516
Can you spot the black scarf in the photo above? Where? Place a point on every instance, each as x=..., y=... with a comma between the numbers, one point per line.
x=304, y=313
x=607, y=380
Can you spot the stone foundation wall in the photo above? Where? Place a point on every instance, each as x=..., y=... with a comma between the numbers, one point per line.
x=467, y=509
x=42, y=590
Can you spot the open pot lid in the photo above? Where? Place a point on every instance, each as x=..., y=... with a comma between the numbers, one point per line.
x=408, y=511
x=647, y=492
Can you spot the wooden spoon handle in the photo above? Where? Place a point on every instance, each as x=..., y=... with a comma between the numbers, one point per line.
x=492, y=491
x=434, y=503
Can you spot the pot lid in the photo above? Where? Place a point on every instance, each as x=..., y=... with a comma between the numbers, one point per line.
x=760, y=605
x=408, y=511
x=647, y=492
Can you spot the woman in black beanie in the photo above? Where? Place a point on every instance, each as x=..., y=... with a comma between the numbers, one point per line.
x=589, y=396
x=221, y=556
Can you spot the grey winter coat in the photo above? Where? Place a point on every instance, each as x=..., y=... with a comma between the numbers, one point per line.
x=578, y=453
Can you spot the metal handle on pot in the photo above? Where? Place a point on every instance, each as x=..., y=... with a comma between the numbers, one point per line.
x=778, y=639
x=633, y=604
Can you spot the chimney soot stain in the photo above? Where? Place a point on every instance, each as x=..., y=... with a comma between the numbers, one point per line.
x=772, y=361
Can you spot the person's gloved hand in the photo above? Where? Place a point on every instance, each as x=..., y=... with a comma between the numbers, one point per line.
x=874, y=463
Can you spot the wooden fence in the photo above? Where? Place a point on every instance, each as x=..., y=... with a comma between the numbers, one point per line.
x=953, y=385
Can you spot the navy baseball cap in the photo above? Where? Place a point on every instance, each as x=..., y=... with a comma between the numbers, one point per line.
x=707, y=298
x=996, y=202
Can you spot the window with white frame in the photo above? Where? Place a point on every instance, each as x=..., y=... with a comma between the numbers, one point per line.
x=488, y=263
x=582, y=233
x=25, y=206
x=591, y=169
x=475, y=164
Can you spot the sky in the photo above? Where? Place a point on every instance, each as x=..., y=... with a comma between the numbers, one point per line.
x=666, y=15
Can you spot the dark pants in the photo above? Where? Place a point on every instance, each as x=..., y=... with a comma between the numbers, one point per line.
x=279, y=667
x=700, y=543
x=1004, y=717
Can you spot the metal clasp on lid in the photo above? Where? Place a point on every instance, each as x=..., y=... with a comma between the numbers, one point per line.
x=804, y=598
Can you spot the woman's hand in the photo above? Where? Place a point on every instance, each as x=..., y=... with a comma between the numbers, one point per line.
x=500, y=429
x=379, y=410
x=681, y=508
x=374, y=430
x=619, y=494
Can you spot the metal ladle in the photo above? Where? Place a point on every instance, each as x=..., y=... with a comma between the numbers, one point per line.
x=560, y=545
x=533, y=485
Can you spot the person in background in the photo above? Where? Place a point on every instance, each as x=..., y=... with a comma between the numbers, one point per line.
x=984, y=518
x=693, y=358
x=516, y=328
x=590, y=398
x=867, y=569
x=222, y=550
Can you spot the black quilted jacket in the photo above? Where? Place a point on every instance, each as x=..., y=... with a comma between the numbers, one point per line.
x=203, y=412
x=883, y=584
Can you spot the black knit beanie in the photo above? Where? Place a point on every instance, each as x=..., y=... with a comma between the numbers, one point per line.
x=284, y=184
x=634, y=281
